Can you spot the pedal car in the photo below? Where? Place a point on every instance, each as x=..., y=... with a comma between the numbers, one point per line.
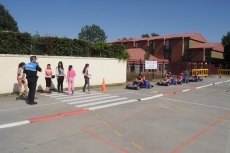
x=182, y=79
x=168, y=80
x=167, y=83
x=137, y=86
x=195, y=78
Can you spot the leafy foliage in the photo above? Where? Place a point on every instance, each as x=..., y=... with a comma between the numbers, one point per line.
x=226, y=43
x=15, y=43
x=154, y=34
x=24, y=43
x=145, y=35
x=7, y=22
x=147, y=53
x=92, y=34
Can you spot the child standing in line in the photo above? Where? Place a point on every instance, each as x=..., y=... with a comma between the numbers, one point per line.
x=21, y=81
x=86, y=77
x=48, y=76
x=70, y=78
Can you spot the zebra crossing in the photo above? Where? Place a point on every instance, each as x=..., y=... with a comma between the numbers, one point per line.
x=94, y=100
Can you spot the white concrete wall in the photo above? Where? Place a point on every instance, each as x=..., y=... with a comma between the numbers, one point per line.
x=112, y=70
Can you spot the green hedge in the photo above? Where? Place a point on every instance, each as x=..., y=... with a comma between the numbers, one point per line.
x=24, y=43
x=15, y=43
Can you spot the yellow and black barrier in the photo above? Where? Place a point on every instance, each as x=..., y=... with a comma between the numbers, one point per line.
x=224, y=72
x=201, y=72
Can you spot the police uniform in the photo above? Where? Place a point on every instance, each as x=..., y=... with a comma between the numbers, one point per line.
x=30, y=70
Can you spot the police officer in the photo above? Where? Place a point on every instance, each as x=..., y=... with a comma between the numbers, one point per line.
x=30, y=70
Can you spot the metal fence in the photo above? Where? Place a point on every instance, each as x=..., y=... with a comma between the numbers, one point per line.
x=174, y=67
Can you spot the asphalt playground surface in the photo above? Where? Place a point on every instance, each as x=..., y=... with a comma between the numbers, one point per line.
x=187, y=118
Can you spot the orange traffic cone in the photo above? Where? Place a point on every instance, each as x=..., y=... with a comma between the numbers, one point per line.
x=103, y=88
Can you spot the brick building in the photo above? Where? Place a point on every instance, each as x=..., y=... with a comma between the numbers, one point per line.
x=188, y=47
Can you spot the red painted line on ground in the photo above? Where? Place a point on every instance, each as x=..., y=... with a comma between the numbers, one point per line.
x=193, y=88
x=105, y=141
x=178, y=92
x=168, y=93
x=57, y=115
x=74, y=112
x=199, y=134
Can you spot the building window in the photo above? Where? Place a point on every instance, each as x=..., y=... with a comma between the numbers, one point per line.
x=207, y=55
x=186, y=44
x=168, y=44
x=125, y=45
x=168, y=56
x=137, y=44
x=152, y=45
x=187, y=55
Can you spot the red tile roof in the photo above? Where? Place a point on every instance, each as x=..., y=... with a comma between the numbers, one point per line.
x=194, y=36
x=214, y=46
x=138, y=53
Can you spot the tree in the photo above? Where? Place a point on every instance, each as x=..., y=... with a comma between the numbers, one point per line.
x=7, y=22
x=154, y=34
x=226, y=43
x=145, y=35
x=147, y=53
x=92, y=33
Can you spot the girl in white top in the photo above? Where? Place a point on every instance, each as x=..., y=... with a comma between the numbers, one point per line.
x=20, y=80
x=60, y=74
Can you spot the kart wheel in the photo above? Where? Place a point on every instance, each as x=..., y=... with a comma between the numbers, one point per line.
x=167, y=84
x=152, y=86
x=137, y=88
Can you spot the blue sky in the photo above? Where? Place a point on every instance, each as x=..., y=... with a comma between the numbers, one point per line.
x=122, y=18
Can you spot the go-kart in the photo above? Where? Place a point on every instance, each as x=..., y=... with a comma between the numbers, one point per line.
x=137, y=86
x=167, y=83
x=184, y=80
x=195, y=79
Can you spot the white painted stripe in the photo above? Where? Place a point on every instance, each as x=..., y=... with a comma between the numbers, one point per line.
x=113, y=104
x=64, y=94
x=131, y=93
x=61, y=95
x=75, y=99
x=67, y=95
x=73, y=96
x=197, y=104
x=56, y=93
x=14, y=124
x=102, y=102
x=147, y=98
x=185, y=90
x=85, y=101
x=204, y=86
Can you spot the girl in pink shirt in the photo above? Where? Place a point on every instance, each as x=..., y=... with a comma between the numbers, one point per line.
x=70, y=77
x=48, y=75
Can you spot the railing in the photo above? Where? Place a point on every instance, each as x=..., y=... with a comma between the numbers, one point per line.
x=201, y=72
x=224, y=72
